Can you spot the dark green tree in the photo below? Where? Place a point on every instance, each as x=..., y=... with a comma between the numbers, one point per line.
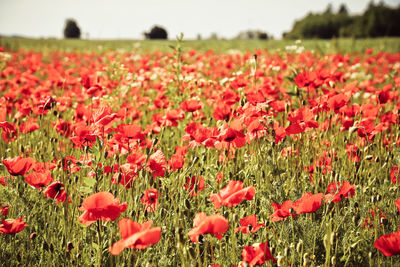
x=156, y=32
x=71, y=29
x=377, y=20
x=343, y=10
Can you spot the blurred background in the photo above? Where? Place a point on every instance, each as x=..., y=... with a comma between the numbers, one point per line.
x=206, y=19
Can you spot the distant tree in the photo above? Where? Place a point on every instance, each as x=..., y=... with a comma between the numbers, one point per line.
x=253, y=34
x=343, y=10
x=156, y=32
x=263, y=36
x=71, y=29
x=328, y=9
x=213, y=36
x=377, y=20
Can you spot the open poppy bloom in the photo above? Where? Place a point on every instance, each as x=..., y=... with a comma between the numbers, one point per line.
x=203, y=224
x=158, y=164
x=150, y=199
x=232, y=136
x=194, y=185
x=249, y=225
x=232, y=195
x=389, y=244
x=335, y=192
x=257, y=254
x=308, y=203
x=101, y=206
x=39, y=179
x=12, y=226
x=191, y=105
x=135, y=235
x=19, y=165
x=129, y=131
x=56, y=191
x=282, y=211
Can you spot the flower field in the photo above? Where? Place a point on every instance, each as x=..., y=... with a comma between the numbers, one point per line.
x=199, y=158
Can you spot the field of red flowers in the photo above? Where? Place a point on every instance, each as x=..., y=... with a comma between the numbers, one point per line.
x=192, y=158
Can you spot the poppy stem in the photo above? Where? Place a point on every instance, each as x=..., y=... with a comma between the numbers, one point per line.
x=100, y=247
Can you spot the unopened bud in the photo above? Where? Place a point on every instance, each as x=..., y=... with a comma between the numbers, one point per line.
x=32, y=236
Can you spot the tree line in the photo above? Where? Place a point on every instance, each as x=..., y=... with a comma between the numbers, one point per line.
x=378, y=20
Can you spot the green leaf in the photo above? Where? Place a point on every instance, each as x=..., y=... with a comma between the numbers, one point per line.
x=89, y=181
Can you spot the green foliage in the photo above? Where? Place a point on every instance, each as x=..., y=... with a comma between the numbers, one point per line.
x=72, y=30
x=377, y=21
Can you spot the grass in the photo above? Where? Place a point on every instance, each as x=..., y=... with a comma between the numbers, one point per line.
x=343, y=45
x=157, y=82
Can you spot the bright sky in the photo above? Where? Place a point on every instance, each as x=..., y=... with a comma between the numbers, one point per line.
x=128, y=19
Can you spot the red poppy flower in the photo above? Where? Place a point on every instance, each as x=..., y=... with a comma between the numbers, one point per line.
x=19, y=165
x=178, y=158
x=150, y=199
x=12, y=226
x=397, y=203
x=56, y=191
x=337, y=101
x=389, y=244
x=295, y=128
x=126, y=175
x=308, y=203
x=191, y=105
x=232, y=195
x=282, y=211
x=257, y=254
x=306, y=79
x=232, y=136
x=84, y=136
x=9, y=131
x=203, y=224
x=3, y=180
x=130, y=131
x=193, y=183
x=135, y=235
x=4, y=210
x=101, y=205
x=39, y=179
x=46, y=103
x=395, y=174
x=335, y=193
x=249, y=224
x=29, y=126
x=63, y=127
x=158, y=164
x=42, y=166
x=222, y=112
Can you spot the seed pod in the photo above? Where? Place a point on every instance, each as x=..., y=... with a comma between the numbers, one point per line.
x=299, y=245
x=332, y=239
x=325, y=240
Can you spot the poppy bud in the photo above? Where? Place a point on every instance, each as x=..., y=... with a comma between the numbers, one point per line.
x=70, y=246
x=32, y=236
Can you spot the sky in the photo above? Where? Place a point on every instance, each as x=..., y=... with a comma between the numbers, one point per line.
x=129, y=19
